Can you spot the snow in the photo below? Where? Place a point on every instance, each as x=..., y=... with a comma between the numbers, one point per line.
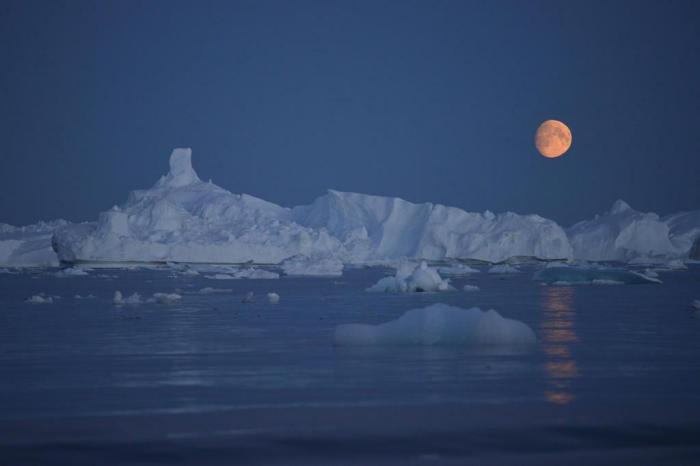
x=439, y=324
x=28, y=246
x=622, y=234
x=470, y=288
x=40, y=298
x=273, y=298
x=503, y=269
x=590, y=275
x=411, y=277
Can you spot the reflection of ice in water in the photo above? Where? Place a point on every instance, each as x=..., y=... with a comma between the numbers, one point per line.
x=558, y=333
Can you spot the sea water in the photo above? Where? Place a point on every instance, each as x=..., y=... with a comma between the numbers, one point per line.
x=214, y=380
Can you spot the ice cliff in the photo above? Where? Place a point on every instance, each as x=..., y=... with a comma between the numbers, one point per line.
x=28, y=246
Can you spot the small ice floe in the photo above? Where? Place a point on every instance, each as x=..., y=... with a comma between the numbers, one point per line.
x=248, y=298
x=312, y=266
x=503, y=268
x=165, y=298
x=651, y=273
x=696, y=305
x=90, y=296
x=105, y=276
x=41, y=298
x=274, y=298
x=675, y=264
x=71, y=272
x=250, y=273
x=412, y=278
x=457, y=270
x=470, y=288
x=210, y=290
x=220, y=276
x=439, y=324
x=568, y=276
x=120, y=300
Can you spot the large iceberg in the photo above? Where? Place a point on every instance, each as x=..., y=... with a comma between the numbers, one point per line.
x=684, y=230
x=439, y=324
x=28, y=246
x=376, y=228
x=183, y=219
x=622, y=234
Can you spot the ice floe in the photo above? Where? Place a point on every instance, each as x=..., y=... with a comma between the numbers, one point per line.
x=411, y=277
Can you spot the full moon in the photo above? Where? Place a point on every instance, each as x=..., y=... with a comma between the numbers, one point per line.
x=552, y=138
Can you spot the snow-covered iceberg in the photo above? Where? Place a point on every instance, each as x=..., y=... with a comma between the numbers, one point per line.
x=684, y=230
x=622, y=234
x=376, y=228
x=439, y=324
x=28, y=246
x=591, y=276
x=412, y=278
x=183, y=219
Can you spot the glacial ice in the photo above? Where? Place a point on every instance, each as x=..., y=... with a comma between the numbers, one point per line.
x=457, y=270
x=590, y=275
x=273, y=298
x=120, y=300
x=165, y=298
x=503, y=269
x=622, y=234
x=312, y=266
x=28, y=246
x=439, y=324
x=470, y=288
x=40, y=298
x=411, y=277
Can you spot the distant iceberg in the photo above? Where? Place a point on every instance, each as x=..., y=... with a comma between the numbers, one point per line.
x=623, y=234
x=591, y=275
x=439, y=325
x=28, y=246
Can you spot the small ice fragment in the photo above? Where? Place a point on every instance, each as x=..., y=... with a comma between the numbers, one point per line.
x=40, y=298
x=210, y=290
x=249, y=298
x=503, y=268
x=165, y=298
x=274, y=298
x=471, y=288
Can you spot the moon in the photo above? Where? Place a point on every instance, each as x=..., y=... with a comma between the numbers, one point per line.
x=553, y=138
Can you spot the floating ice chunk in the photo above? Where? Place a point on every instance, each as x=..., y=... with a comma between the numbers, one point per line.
x=165, y=298
x=412, y=278
x=696, y=304
x=651, y=273
x=470, y=288
x=120, y=300
x=274, y=298
x=595, y=276
x=209, y=290
x=457, y=269
x=40, y=298
x=675, y=264
x=249, y=297
x=71, y=272
x=220, y=276
x=503, y=268
x=439, y=324
x=318, y=266
x=254, y=273
x=90, y=296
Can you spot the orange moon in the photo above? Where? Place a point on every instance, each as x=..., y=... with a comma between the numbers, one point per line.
x=553, y=138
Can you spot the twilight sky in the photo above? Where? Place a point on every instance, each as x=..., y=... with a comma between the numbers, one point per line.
x=427, y=100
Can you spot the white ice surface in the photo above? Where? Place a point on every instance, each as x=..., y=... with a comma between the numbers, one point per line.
x=411, y=277
x=439, y=324
x=28, y=246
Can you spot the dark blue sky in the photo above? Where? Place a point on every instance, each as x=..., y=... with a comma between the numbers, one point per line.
x=430, y=101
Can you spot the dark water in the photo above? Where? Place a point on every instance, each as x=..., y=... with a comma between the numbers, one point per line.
x=210, y=380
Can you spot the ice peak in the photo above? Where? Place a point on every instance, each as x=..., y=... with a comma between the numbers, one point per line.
x=619, y=206
x=181, y=171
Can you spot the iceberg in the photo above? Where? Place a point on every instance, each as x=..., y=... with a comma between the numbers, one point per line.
x=412, y=277
x=622, y=234
x=378, y=228
x=439, y=324
x=298, y=266
x=590, y=275
x=183, y=219
x=684, y=230
x=28, y=246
